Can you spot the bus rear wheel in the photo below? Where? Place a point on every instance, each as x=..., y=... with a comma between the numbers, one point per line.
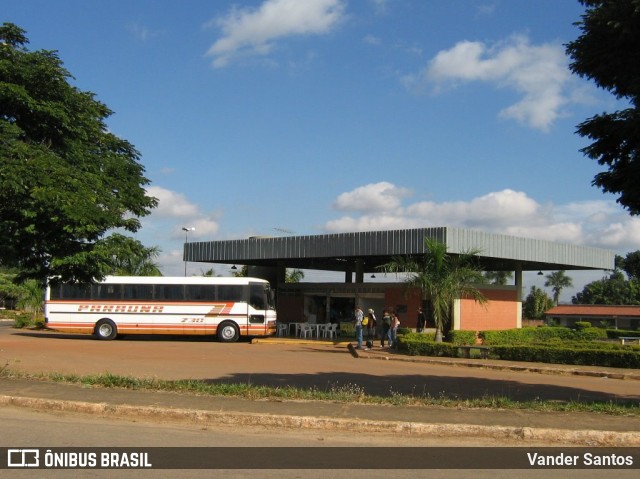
x=106, y=329
x=228, y=332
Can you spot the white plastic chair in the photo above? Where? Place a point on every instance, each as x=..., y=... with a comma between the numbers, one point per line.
x=331, y=331
x=306, y=329
x=283, y=329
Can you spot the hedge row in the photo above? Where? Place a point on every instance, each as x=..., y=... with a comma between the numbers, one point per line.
x=629, y=358
x=541, y=335
x=571, y=352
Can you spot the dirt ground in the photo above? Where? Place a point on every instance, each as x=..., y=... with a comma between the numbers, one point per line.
x=320, y=366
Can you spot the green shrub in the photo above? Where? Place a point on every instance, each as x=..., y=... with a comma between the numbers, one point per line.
x=590, y=334
x=23, y=320
x=347, y=329
x=461, y=337
x=582, y=325
x=543, y=334
x=421, y=346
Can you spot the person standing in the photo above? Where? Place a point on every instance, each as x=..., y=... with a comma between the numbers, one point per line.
x=386, y=325
x=422, y=320
x=371, y=327
x=393, y=331
x=359, y=316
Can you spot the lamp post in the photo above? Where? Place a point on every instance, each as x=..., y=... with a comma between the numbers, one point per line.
x=186, y=241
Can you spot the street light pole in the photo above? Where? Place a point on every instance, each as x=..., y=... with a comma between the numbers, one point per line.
x=186, y=242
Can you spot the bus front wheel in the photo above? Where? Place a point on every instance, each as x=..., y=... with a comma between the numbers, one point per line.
x=228, y=332
x=106, y=329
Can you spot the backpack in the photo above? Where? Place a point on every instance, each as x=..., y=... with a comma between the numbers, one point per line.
x=365, y=320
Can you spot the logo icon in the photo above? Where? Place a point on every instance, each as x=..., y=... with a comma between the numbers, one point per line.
x=23, y=458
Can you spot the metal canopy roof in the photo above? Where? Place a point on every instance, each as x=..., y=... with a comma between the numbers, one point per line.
x=339, y=252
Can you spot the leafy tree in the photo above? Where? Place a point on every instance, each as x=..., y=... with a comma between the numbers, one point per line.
x=497, y=277
x=9, y=291
x=607, y=53
x=442, y=278
x=65, y=180
x=133, y=258
x=630, y=264
x=210, y=273
x=242, y=272
x=536, y=303
x=614, y=289
x=558, y=280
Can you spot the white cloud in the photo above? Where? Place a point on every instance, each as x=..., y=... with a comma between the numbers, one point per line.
x=381, y=196
x=253, y=31
x=175, y=211
x=163, y=227
x=380, y=206
x=537, y=72
x=171, y=204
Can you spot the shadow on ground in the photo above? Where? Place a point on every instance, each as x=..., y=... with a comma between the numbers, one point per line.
x=441, y=387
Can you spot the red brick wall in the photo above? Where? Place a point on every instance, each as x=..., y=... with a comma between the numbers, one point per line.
x=408, y=303
x=500, y=312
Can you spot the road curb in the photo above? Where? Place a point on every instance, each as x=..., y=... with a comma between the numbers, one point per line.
x=227, y=418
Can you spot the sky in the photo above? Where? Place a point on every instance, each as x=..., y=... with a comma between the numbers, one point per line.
x=303, y=117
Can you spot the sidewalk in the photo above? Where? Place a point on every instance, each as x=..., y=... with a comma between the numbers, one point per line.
x=518, y=425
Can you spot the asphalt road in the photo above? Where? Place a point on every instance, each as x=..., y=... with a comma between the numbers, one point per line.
x=26, y=428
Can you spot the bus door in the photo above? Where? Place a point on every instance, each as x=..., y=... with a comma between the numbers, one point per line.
x=258, y=307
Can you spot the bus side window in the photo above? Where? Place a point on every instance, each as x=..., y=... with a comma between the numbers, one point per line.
x=138, y=291
x=199, y=292
x=107, y=291
x=230, y=293
x=70, y=291
x=169, y=292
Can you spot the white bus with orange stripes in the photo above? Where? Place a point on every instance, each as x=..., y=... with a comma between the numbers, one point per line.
x=227, y=308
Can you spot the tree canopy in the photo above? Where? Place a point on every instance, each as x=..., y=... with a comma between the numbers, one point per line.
x=65, y=180
x=608, y=52
x=630, y=264
x=614, y=289
x=536, y=304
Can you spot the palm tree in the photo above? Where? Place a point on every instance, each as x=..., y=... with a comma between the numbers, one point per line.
x=294, y=276
x=558, y=280
x=31, y=297
x=139, y=263
x=442, y=278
